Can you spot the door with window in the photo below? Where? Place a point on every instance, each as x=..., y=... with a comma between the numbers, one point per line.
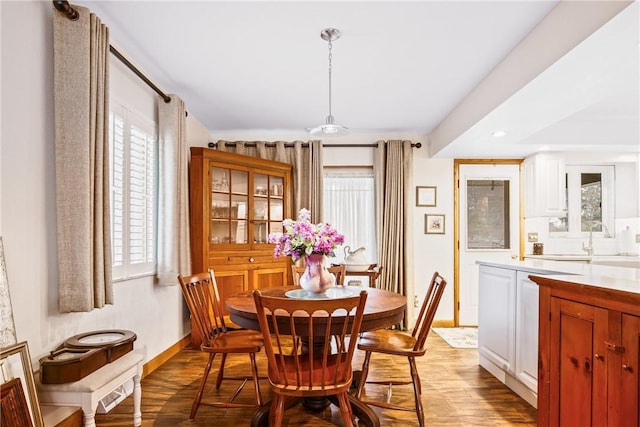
x=488, y=226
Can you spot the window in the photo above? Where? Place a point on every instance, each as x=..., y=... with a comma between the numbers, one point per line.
x=488, y=214
x=590, y=202
x=133, y=194
x=349, y=205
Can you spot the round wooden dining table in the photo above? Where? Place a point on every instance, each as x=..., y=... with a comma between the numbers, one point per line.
x=382, y=309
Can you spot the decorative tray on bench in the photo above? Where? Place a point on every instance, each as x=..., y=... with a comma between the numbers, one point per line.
x=83, y=354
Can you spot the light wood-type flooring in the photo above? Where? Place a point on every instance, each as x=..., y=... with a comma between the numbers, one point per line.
x=456, y=392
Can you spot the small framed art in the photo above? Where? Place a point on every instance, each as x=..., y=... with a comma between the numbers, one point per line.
x=433, y=224
x=19, y=401
x=426, y=196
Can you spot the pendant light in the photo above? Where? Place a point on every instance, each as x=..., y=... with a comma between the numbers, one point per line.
x=329, y=129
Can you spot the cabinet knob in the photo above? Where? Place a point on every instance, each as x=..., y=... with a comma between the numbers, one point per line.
x=613, y=347
x=627, y=368
x=251, y=259
x=599, y=356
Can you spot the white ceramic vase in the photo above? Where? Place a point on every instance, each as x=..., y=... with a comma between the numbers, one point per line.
x=316, y=278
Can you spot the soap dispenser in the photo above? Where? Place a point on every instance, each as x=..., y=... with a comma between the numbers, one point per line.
x=625, y=242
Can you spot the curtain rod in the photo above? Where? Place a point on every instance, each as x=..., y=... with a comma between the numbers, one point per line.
x=304, y=144
x=72, y=14
x=138, y=73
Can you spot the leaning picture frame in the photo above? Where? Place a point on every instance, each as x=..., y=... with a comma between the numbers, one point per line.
x=18, y=387
x=434, y=224
x=426, y=196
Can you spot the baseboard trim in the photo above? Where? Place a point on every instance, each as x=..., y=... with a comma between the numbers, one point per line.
x=61, y=416
x=443, y=324
x=160, y=359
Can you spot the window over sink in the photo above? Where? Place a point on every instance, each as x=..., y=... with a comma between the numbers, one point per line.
x=589, y=202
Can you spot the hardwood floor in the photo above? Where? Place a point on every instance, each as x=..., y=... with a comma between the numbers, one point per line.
x=456, y=392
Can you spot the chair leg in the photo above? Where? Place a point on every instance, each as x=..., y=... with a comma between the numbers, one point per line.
x=417, y=390
x=276, y=413
x=221, y=371
x=345, y=409
x=198, y=396
x=363, y=375
x=254, y=373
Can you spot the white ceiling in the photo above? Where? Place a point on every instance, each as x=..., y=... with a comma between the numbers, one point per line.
x=400, y=68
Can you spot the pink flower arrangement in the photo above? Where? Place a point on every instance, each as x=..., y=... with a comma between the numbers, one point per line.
x=301, y=238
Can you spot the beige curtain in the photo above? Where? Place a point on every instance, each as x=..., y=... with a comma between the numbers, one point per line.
x=393, y=168
x=174, y=255
x=81, y=93
x=306, y=175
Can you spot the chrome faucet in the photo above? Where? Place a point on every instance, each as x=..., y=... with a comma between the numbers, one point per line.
x=588, y=247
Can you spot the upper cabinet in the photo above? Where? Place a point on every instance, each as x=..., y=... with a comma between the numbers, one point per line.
x=246, y=205
x=235, y=202
x=544, y=186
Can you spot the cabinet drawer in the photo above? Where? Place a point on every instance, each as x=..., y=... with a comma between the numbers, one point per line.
x=243, y=259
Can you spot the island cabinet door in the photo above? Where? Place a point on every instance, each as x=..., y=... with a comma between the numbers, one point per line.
x=496, y=318
x=627, y=364
x=578, y=392
x=527, y=331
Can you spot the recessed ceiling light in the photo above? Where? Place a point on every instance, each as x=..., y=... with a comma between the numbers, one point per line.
x=498, y=133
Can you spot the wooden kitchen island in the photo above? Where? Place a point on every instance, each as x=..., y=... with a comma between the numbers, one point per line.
x=588, y=357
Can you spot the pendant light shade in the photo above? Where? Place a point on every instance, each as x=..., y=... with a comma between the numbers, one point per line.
x=329, y=128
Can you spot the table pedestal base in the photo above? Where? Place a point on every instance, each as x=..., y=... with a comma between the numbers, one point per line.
x=361, y=410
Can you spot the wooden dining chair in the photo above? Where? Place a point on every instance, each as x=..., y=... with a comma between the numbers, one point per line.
x=339, y=271
x=296, y=272
x=318, y=369
x=201, y=294
x=396, y=343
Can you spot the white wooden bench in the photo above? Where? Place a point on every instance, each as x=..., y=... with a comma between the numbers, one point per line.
x=101, y=390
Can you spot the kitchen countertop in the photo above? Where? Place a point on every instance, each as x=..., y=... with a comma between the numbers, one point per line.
x=545, y=266
x=615, y=278
x=609, y=283
x=632, y=261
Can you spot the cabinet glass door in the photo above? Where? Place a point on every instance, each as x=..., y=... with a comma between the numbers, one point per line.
x=276, y=204
x=229, y=206
x=268, y=206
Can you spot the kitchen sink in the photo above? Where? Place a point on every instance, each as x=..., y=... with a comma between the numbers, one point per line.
x=562, y=257
x=607, y=260
x=616, y=261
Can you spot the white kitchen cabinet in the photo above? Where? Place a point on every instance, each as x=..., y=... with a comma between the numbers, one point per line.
x=508, y=328
x=544, y=186
x=526, y=368
x=496, y=319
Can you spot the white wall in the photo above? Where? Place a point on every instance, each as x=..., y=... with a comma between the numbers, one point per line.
x=434, y=252
x=27, y=204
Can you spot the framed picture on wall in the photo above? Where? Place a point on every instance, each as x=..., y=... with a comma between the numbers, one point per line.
x=19, y=403
x=434, y=224
x=426, y=196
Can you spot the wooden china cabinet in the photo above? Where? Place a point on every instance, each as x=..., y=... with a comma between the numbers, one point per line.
x=235, y=202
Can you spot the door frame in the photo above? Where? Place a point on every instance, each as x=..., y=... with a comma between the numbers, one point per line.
x=456, y=221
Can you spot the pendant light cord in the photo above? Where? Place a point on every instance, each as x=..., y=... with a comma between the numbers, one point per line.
x=330, y=57
x=329, y=128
